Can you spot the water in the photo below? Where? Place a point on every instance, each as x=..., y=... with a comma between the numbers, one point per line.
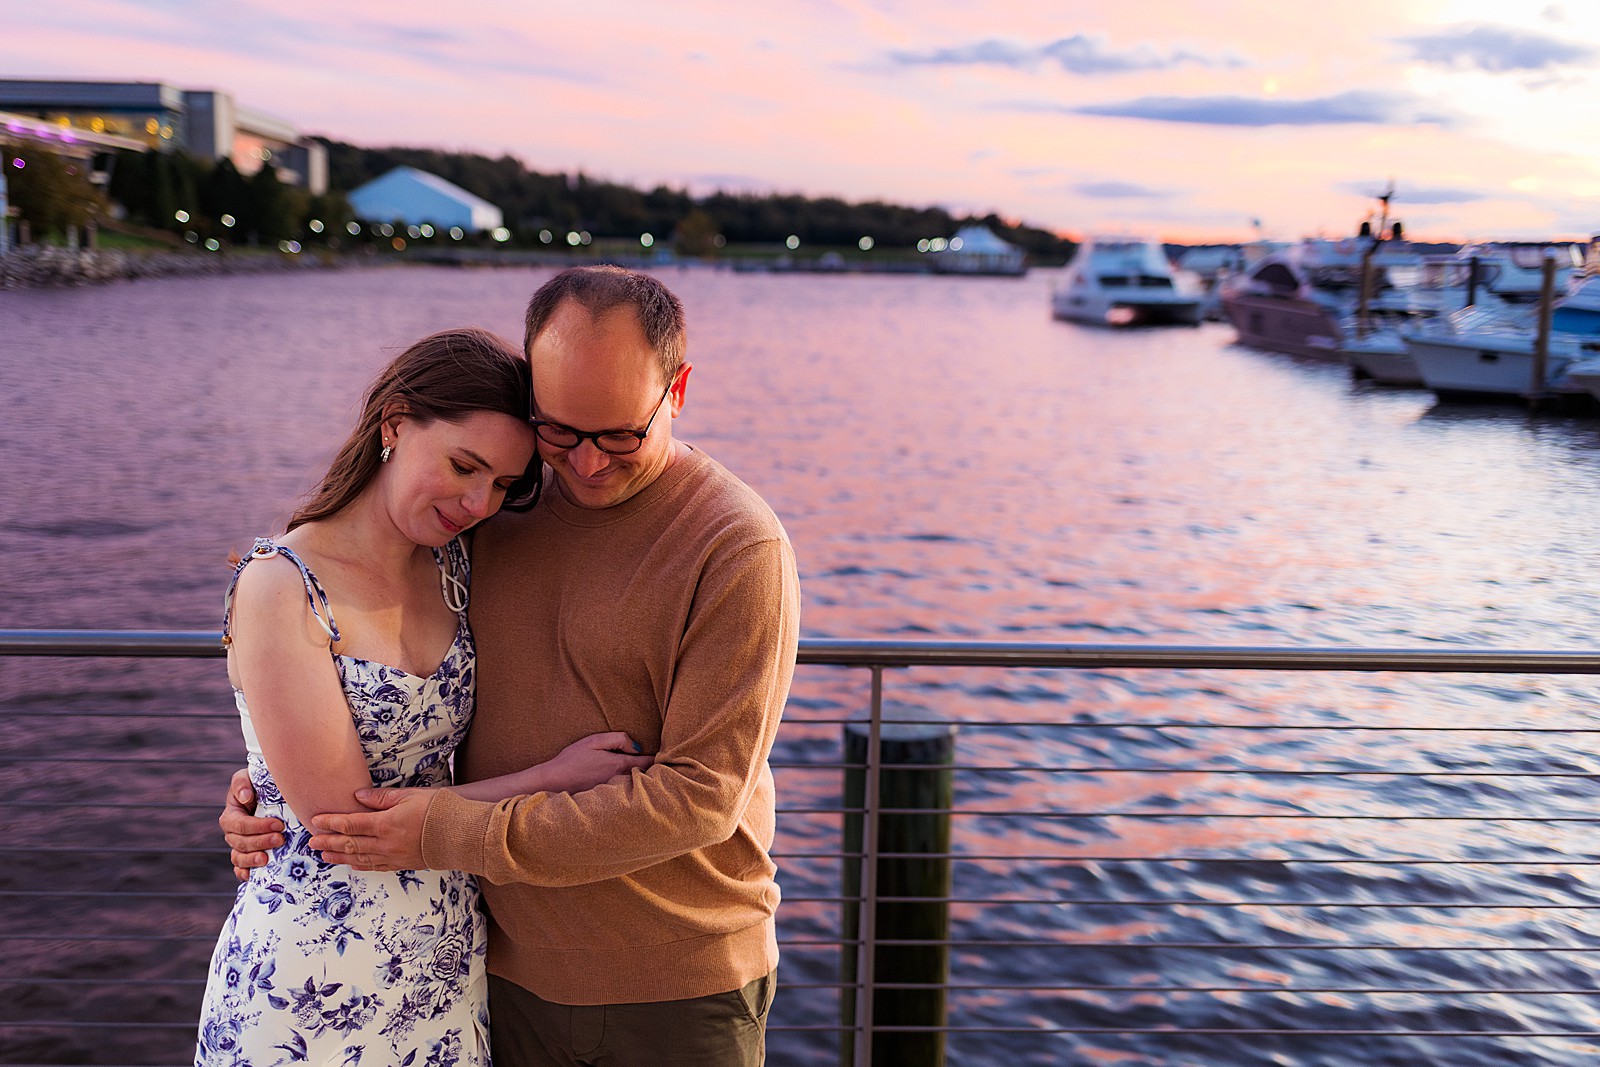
x=950, y=463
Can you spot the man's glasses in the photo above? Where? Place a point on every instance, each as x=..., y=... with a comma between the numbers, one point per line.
x=611, y=442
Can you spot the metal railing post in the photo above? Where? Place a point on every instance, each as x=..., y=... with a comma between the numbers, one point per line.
x=867, y=946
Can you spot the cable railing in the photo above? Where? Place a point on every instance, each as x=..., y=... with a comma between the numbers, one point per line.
x=1389, y=857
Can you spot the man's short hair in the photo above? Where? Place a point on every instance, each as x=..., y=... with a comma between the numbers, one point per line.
x=601, y=288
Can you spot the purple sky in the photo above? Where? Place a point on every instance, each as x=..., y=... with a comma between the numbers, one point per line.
x=1181, y=120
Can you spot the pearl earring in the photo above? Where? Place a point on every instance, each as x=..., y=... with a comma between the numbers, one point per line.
x=388, y=450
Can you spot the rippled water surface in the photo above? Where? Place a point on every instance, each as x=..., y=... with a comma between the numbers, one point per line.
x=950, y=463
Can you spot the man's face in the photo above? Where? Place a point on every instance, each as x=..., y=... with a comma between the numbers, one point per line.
x=595, y=375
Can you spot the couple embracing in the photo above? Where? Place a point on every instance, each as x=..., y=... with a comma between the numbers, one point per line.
x=606, y=662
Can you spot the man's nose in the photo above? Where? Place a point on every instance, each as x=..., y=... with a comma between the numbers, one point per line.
x=587, y=459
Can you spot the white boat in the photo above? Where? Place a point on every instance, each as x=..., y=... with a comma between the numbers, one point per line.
x=1373, y=344
x=1488, y=351
x=1515, y=272
x=1117, y=281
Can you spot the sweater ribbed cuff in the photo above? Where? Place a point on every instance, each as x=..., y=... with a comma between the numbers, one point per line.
x=453, y=832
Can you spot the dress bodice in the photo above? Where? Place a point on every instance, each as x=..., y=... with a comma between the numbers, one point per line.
x=408, y=725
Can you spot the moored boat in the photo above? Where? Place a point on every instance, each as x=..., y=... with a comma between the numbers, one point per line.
x=1275, y=306
x=1490, y=351
x=1120, y=281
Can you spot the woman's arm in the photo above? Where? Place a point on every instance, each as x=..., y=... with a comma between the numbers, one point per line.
x=581, y=765
x=297, y=705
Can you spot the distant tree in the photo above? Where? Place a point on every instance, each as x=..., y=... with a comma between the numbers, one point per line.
x=696, y=234
x=223, y=191
x=52, y=193
x=332, y=210
x=270, y=217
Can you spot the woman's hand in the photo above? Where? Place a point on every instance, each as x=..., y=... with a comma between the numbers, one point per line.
x=582, y=765
x=590, y=761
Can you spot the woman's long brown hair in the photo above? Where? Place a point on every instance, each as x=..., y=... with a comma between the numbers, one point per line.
x=447, y=375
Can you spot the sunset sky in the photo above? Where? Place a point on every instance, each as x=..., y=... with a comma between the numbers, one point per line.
x=1183, y=120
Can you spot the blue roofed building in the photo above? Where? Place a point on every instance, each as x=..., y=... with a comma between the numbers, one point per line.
x=414, y=197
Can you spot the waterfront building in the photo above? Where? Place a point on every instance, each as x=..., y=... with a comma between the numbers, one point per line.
x=203, y=122
x=414, y=197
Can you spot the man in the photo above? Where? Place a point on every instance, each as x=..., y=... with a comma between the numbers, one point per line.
x=651, y=592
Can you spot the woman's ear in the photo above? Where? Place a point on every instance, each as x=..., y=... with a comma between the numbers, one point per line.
x=393, y=416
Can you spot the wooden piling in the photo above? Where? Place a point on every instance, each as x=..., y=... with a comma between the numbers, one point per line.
x=1541, y=342
x=915, y=825
x=1364, y=301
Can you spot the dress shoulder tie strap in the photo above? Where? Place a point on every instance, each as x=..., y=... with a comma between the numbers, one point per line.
x=315, y=594
x=455, y=574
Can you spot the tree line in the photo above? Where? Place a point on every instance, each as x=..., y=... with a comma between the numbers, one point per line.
x=180, y=193
x=560, y=203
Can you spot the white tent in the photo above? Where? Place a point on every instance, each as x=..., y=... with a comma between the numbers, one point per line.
x=976, y=249
x=413, y=197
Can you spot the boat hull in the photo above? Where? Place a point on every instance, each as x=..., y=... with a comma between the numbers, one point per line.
x=1383, y=357
x=1291, y=325
x=1480, y=365
x=1110, y=308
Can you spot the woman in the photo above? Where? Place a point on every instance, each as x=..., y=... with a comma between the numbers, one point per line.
x=352, y=666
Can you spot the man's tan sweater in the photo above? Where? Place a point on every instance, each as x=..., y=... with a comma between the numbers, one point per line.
x=673, y=616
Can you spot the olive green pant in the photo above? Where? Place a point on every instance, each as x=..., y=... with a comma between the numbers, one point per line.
x=722, y=1030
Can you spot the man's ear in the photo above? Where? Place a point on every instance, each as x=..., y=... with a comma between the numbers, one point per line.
x=680, y=385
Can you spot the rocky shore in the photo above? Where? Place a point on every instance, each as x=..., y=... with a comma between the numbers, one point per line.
x=37, y=266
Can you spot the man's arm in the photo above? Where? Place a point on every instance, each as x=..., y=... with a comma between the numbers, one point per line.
x=730, y=682
x=393, y=840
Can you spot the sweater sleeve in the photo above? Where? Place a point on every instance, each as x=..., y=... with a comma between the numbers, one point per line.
x=735, y=661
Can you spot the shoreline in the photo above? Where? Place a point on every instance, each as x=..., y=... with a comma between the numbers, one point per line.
x=47, y=267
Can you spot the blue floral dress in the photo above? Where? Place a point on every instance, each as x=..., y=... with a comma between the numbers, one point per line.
x=321, y=964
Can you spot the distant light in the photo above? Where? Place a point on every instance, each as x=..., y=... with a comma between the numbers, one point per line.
x=938, y=244
x=456, y=233
x=719, y=240
x=166, y=133
x=427, y=229
x=227, y=220
x=545, y=236
x=500, y=233
x=18, y=163
x=924, y=244
x=181, y=216
x=289, y=246
x=399, y=244
x=315, y=225
x=152, y=127
x=865, y=244
x=647, y=239
x=212, y=244
x=583, y=235
x=386, y=229
x=792, y=241
x=573, y=238
x=191, y=236
x=955, y=244
x=413, y=233
x=352, y=228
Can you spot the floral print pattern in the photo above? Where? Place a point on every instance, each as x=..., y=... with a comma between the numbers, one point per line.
x=324, y=965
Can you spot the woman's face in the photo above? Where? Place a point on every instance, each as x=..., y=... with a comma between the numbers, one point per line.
x=444, y=477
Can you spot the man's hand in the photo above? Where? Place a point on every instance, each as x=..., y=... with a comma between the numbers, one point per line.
x=250, y=838
x=388, y=838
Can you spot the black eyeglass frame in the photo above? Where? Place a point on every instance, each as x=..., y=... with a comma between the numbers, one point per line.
x=562, y=428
